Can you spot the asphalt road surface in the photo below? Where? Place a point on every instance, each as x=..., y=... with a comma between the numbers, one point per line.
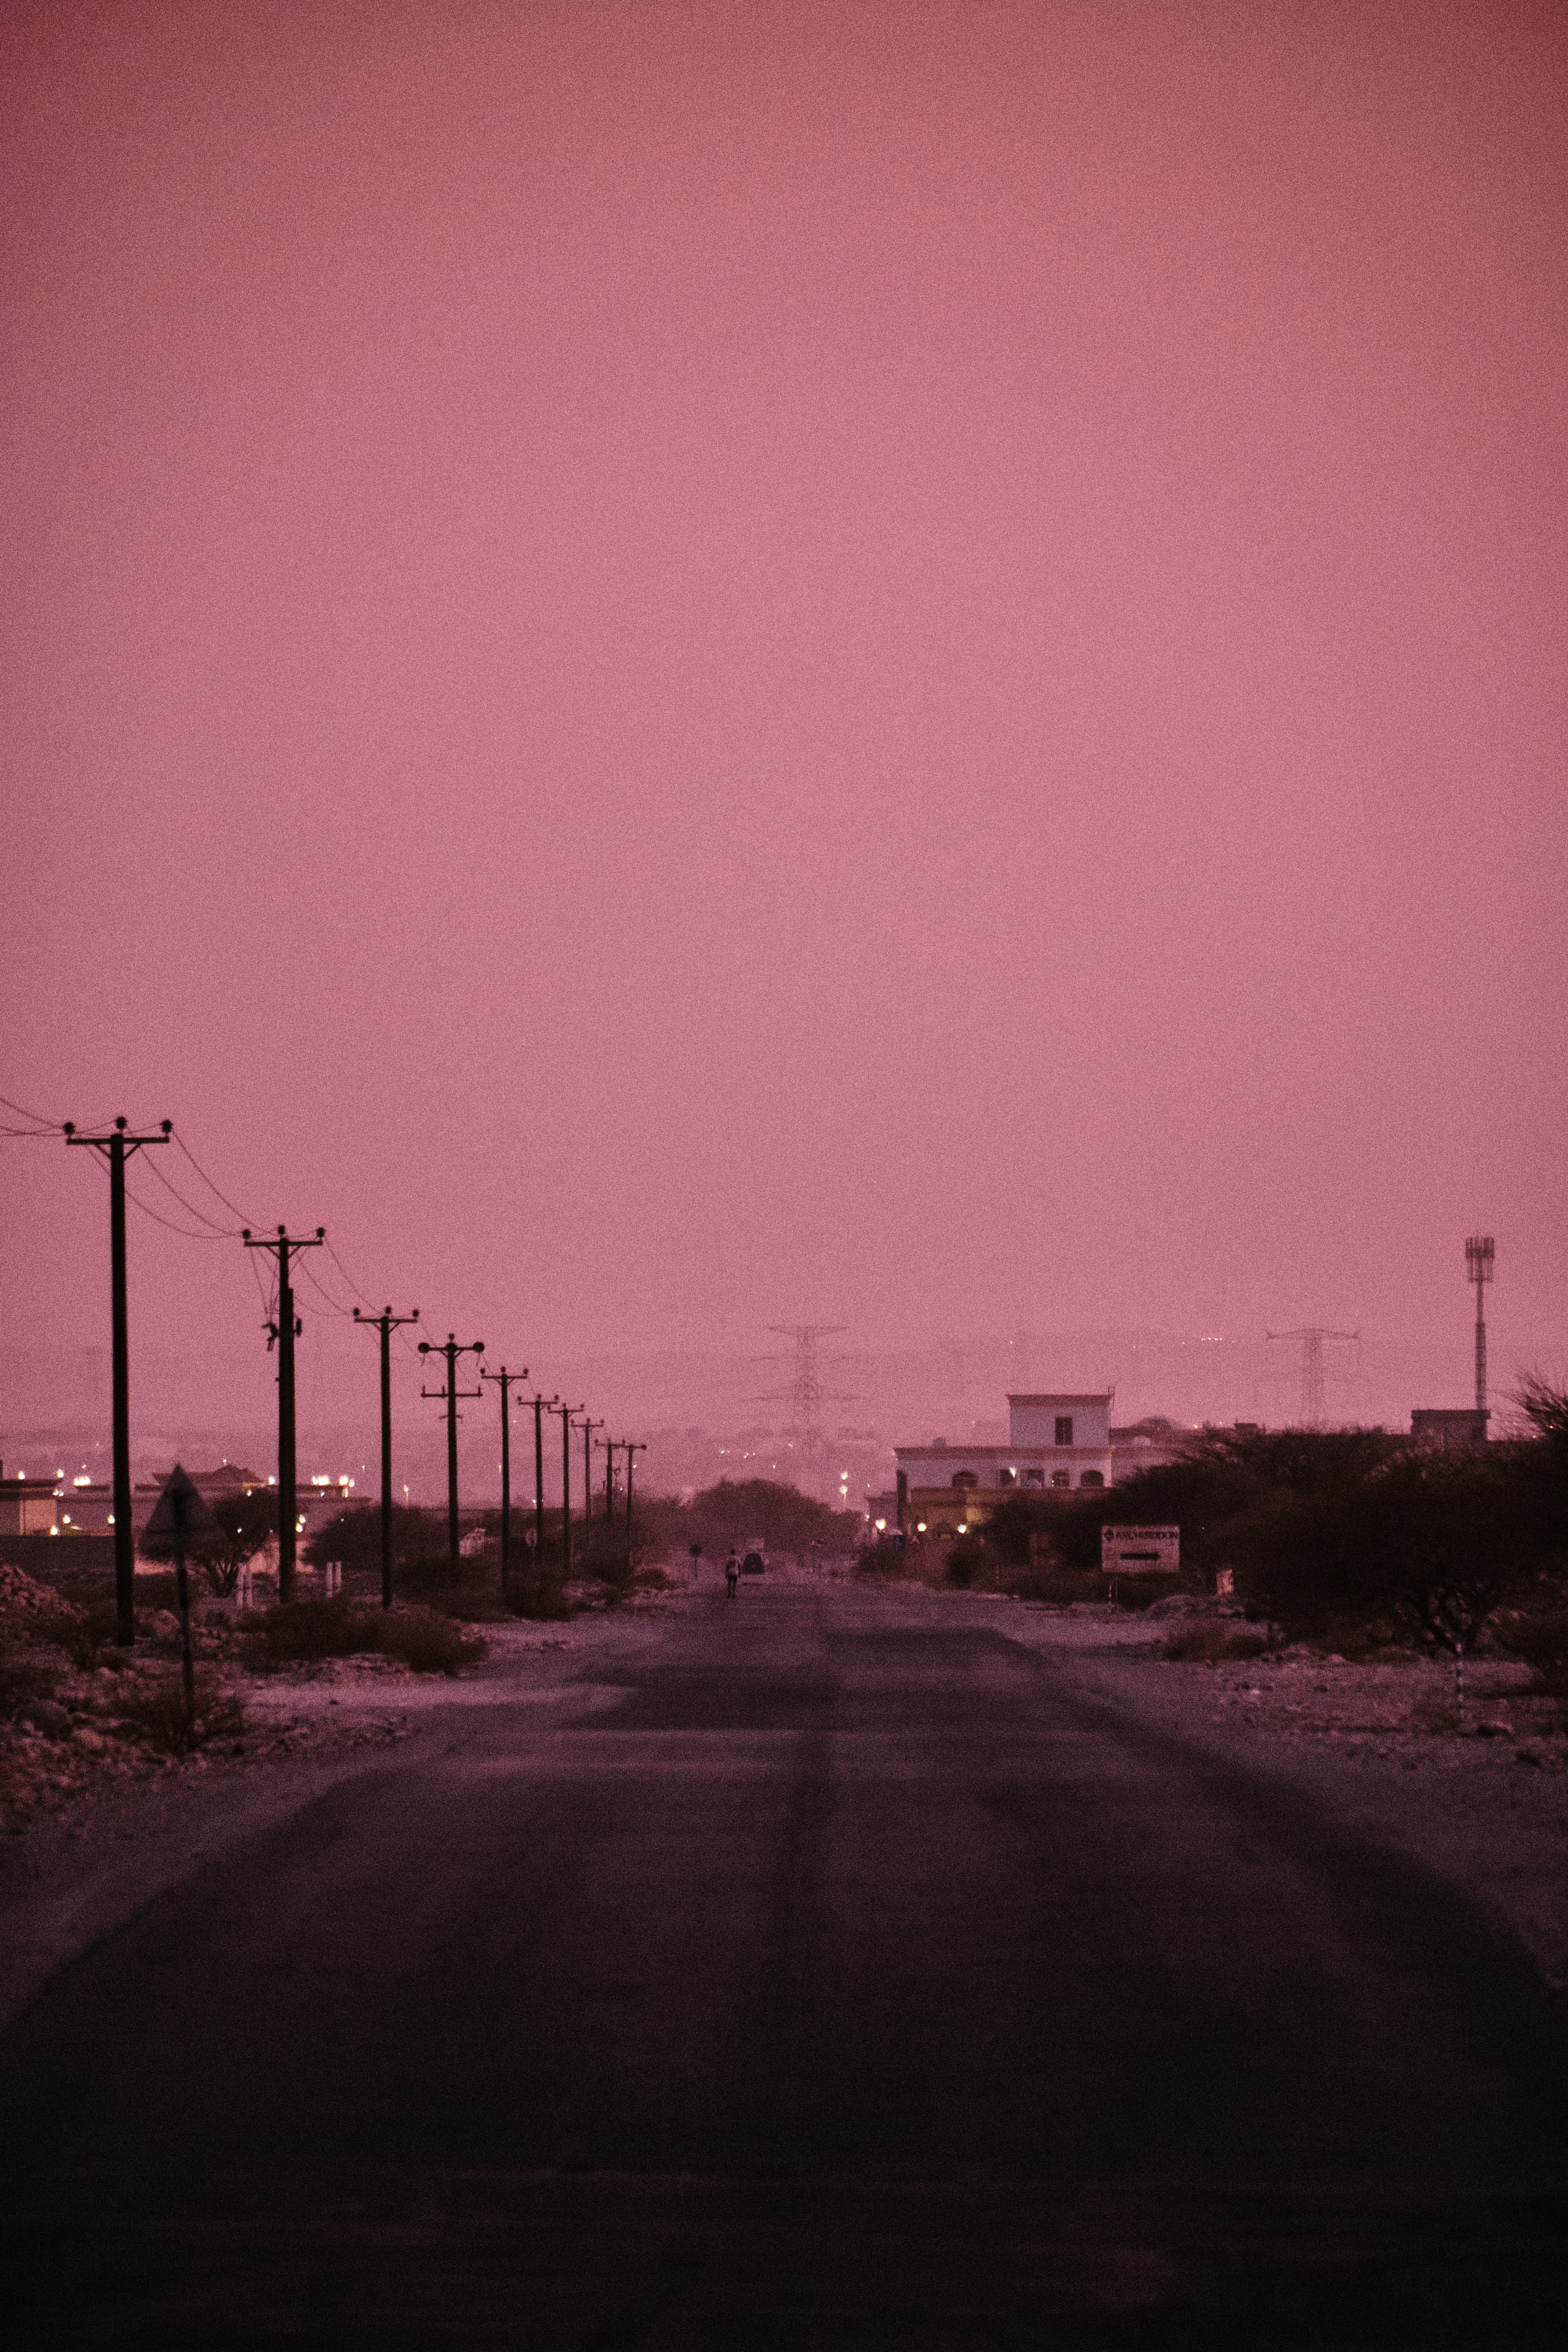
x=850, y=1976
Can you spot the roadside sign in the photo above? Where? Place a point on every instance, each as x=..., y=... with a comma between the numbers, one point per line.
x=180, y=1510
x=1139, y=1551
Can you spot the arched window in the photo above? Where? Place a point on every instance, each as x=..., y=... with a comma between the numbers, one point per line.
x=1091, y=1479
x=1060, y=1478
x=964, y=1478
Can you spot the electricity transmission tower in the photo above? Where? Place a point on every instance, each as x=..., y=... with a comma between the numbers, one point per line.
x=1480, y=1251
x=806, y=1394
x=1316, y=1365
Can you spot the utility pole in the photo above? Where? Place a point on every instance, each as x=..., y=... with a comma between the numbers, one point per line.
x=566, y=1412
x=607, y=1448
x=631, y=1452
x=504, y=1379
x=385, y=1324
x=588, y=1427
x=116, y=1148
x=541, y=1405
x=285, y=1331
x=450, y=1395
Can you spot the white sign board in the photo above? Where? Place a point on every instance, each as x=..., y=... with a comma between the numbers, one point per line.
x=1140, y=1551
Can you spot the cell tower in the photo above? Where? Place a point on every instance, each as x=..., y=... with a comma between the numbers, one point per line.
x=806, y=1394
x=1480, y=1251
x=1317, y=1365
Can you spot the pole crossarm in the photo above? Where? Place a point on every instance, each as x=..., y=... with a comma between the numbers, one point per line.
x=384, y=1324
x=116, y=1147
x=631, y=1448
x=503, y=1380
x=451, y=1349
x=283, y=1334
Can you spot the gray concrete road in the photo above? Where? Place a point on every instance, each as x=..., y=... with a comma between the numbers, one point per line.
x=856, y=1978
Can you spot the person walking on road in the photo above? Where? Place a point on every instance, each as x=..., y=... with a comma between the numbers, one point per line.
x=732, y=1571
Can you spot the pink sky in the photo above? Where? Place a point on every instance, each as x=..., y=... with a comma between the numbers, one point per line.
x=691, y=665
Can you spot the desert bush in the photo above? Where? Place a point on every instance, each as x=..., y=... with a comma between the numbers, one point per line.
x=87, y=1633
x=966, y=1561
x=1539, y=1635
x=426, y=1640
x=882, y=1559
x=1064, y=1587
x=1213, y=1638
x=538, y=1594
x=24, y=1679
x=156, y=1713
x=354, y=1537
x=310, y=1631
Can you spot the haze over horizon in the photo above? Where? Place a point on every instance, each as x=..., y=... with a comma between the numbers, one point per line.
x=685, y=668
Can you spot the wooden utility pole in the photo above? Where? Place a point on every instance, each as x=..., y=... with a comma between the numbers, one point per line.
x=566, y=1412
x=630, y=1451
x=450, y=1395
x=504, y=1379
x=116, y=1148
x=285, y=1331
x=588, y=1427
x=385, y=1324
x=541, y=1405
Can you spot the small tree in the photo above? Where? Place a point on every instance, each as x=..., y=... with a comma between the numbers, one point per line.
x=1449, y=1539
x=244, y=1525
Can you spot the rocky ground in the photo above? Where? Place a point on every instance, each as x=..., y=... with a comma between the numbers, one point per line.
x=82, y=1721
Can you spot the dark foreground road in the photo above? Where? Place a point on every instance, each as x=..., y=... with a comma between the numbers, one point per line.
x=854, y=1979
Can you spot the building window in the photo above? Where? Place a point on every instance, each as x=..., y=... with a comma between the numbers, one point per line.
x=964, y=1478
x=1064, y=1429
x=1091, y=1479
x=1060, y=1478
x=1034, y=1478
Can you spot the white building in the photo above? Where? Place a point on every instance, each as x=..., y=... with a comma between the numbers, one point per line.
x=1058, y=1441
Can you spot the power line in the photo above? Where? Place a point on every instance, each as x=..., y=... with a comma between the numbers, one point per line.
x=229, y=1232
x=363, y=1296
x=324, y=1294
x=168, y=1223
x=208, y=1180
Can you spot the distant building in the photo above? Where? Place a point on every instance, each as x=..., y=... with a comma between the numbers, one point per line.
x=1449, y=1425
x=27, y=1506
x=86, y=1508
x=1057, y=1443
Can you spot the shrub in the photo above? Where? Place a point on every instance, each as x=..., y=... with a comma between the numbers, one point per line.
x=310, y=1631
x=354, y=1537
x=89, y=1633
x=156, y=1713
x=968, y=1562
x=426, y=1640
x=22, y=1679
x=1211, y=1638
x=1540, y=1636
x=1060, y=1586
x=539, y=1594
x=882, y=1558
